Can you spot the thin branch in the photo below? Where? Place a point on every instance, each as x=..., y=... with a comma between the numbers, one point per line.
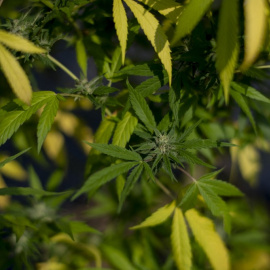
x=72, y=75
x=187, y=174
x=71, y=95
x=166, y=191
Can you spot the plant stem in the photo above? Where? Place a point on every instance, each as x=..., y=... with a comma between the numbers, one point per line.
x=71, y=95
x=187, y=174
x=166, y=191
x=72, y=75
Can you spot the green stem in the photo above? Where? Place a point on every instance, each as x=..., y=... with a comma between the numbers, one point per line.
x=187, y=174
x=57, y=63
x=71, y=95
x=166, y=191
x=262, y=67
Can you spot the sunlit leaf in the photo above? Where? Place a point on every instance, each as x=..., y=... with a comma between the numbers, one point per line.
x=180, y=242
x=81, y=56
x=255, y=25
x=205, y=234
x=154, y=33
x=158, y=217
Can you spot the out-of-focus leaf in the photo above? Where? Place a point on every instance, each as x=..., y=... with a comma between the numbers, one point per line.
x=81, y=56
x=7, y=160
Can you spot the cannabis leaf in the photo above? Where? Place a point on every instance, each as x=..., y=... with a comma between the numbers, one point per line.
x=7, y=160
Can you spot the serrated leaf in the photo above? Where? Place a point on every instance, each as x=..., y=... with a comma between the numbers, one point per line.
x=15, y=75
x=174, y=102
x=24, y=191
x=205, y=234
x=81, y=227
x=142, y=109
x=154, y=33
x=104, y=90
x=115, y=151
x=101, y=177
x=188, y=131
x=81, y=56
x=190, y=197
x=9, y=159
x=124, y=130
x=190, y=16
x=144, y=70
x=129, y=185
x=220, y=187
x=46, y=119
x=199, y=144
x=210, y=175
x=148, y=171
x=168, y=8
x=227, y=43
x=167, y=167
x=121, y=25
x=164, y=123
x=104, y=131
x=193, y=159
x=239, y=99
x=216, y=205
x=180, y=242
x=250, y=92
x=158, y=217
x=12, y=120
x=255, y=25
x=19, y=43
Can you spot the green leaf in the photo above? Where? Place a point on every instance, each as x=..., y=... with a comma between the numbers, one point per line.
x=115, y=151
x=13, y=119
x=154, y=33
x=15, y=75
x=81, y=227
x=144, y=70
x=244, y=106
x=124, y=129
x=141, y=109
x=205, y=234
x=256, y=12
x=167, y=167
x=210, y=175
x=199, y=144
x=227, y=43
x=168, y=8
x=19, y=43
x=165, y=123
x=104, y=90
x=121, y=25
x=189, y=17
x=129, y=185
x=193, y=159
x=250, y=92
x=158, y=217
x=117, y=258
x=101, y=177
x=34, y=180
x=188, y=131
x=174, y=102
x=7, y=160
x=190, y=197
x=213, y=201
x=81, y=56
x=220, y=187
x=104, y=131
x=24, y=191
x=46, y=119
x=180, y=242
x=148, y=170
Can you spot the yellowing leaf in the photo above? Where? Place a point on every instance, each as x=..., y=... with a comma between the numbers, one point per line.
x=227, y=43
x=154, y=33
x=14, y=170
x=205, y=234
x=121, y=25
x=180, y=242
x=255, y=26
x=168, y=8
x=53, y=144
x=4, y=200
x=19, y=43
x=81, y=56
x=157, y=217
x=67, y=122
x=15, y=75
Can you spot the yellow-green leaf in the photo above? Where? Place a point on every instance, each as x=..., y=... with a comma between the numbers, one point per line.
x=15, y=75
x=255, y=25
x=121, y=25
x=190, y=16
x=157, y=217
x=154, y=33
x=81, y=56
x=205, y=234
x=19, y=43
x=180, y=242
x=124, y=130
x=227, y=43
x=168, y=8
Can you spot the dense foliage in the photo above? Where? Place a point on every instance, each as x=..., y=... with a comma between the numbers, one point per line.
x=150, y=196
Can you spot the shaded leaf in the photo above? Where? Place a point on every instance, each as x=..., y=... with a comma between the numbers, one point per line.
x=190, y=197
x=7, y=160
x=81, y=56
x=199, y=144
